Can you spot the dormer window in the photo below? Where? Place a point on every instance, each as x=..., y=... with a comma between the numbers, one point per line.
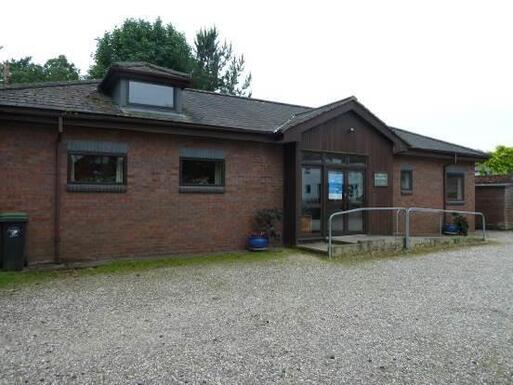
x=143, y=87
x=150, y=95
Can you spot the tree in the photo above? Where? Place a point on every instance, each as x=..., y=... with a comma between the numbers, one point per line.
x=212, y=63
x=57, y=69
x=140, y=40
x=24, y=71
x=500, y=162
x=216, y=67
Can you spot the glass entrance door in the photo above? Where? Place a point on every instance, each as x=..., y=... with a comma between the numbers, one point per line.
x=331, y=182
x=355, y=199
x=311, y=201
x=345, y=191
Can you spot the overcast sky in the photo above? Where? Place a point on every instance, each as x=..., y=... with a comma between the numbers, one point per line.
x=439, y=68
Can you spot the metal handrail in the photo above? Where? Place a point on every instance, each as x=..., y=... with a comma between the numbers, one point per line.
x=397, y=209
x=407, y=239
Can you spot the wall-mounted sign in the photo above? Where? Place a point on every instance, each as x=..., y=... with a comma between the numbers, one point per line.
x=335, y=185
x=380, y=179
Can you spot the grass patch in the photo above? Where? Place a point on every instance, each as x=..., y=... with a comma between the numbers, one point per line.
x=13, y=279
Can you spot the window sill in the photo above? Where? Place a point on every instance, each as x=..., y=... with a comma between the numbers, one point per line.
x=148, y=109
x=455, y=203
x=406, y=192
x=111, y=188
x=202, y=189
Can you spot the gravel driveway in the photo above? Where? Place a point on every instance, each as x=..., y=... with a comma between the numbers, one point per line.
x=439, y=318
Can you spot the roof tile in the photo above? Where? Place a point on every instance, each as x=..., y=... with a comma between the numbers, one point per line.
x=200, y=107
x=426, y=143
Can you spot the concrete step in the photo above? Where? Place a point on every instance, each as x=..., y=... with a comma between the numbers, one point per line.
x=361, y=244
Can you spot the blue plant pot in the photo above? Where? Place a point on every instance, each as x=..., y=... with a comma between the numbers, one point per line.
x=451, y=229
x=257, y=242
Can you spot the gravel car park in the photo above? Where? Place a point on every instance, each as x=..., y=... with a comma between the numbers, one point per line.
x=436, y=318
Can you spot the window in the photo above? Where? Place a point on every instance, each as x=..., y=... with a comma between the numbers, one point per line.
x=310, y=221
x=406, y=181
x=96, y=169
x=355, y=160
x=202, y=172
x=148, y=94
x=336, y=159
x=312, y=157
x=455, y=187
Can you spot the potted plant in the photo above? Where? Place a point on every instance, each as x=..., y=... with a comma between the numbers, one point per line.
x=461, y=222
x=459, y=225
x=450, y=229
x=265, y=224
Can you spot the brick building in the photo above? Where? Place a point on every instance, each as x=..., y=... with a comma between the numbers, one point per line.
x=139, y=164
x=494, y=198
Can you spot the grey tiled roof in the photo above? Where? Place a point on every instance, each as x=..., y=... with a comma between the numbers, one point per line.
x=311, y=113
x=78, y=96
x=426, y=143
x=201, y=108
x=233, y=111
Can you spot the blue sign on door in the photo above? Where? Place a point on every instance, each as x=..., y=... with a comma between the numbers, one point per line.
x=335, y=185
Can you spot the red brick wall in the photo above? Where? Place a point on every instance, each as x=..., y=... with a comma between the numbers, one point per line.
x=494, y=179
x=494, y=197
x=428, y=187
x=152, y=217
x=470, y=195
x=27, y=179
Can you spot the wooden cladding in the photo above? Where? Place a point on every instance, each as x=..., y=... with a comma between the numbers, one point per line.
x=348, y=134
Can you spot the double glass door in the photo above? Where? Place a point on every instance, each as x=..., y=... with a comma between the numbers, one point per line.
x=345, y=191
x=326, y=190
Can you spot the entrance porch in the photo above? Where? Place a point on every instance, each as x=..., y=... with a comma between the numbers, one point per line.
x=333, y=163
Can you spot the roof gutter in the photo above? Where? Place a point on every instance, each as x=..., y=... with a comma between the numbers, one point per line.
x=456, y=156
x=161, y=126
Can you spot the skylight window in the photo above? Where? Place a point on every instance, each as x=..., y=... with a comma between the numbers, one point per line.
x=152, y=95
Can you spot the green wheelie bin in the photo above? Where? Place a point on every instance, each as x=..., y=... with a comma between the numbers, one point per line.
x=12, y=240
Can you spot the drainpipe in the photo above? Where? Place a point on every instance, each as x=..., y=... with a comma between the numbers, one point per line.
x=444, y=177
x=57, y=192
x=455, y=160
